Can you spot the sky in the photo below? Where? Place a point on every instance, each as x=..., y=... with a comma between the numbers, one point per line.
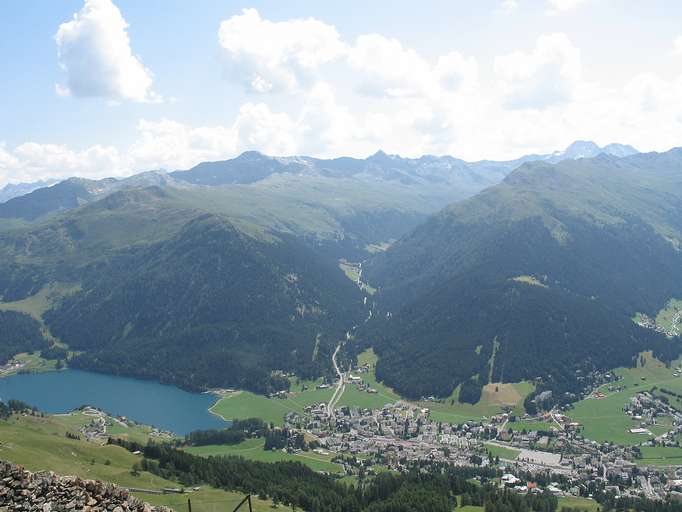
x=100, y=88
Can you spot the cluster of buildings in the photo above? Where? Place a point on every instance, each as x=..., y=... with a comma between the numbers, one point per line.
x=403, y=432
x=97, y=429
x=646, y=410
x=649, y=323
x=12, y=366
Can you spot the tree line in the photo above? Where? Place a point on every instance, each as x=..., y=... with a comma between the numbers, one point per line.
x=234, y=434
x=423, y=487
x=19, y=333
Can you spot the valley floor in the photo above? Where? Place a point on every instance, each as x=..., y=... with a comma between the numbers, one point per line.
x=244, y=404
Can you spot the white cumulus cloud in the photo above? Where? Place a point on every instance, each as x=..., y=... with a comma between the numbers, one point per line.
x=94, y=51
x=259, y=128
x=352, y=97
x=32, y=161
x=168, y=144
x=386, y=68
x=543, y=77
x=267, y=56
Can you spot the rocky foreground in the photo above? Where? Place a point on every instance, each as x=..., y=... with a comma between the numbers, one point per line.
x=47, y=492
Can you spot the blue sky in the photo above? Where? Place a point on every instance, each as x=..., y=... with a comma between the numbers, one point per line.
x=102, y=88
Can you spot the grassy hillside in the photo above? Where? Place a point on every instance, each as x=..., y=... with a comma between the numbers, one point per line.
x=495, y=399
x=253, y=449
x=41, y=444
x=604, y=420
x=245, y=404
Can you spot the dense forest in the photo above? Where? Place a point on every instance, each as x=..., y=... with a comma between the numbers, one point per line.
x=539, y=276
x=210, y=307
x=19, y=333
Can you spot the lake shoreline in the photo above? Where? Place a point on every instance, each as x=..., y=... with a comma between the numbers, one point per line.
x=144, y=401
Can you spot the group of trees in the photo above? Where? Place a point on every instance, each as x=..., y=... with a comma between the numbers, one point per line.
x=13, y=407
x=275, y=438
x=283, y=438
x=234, y=434
x=19, y=333
x=470, y=390
x=432, y=487
x=55, y=352
x=511, y=501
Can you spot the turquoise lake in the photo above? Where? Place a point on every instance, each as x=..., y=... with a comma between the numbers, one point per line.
x=147, y=402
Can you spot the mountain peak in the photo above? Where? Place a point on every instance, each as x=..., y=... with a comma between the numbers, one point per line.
x=581, y=149
x=588, y=149
x=379, y=154
x=620, y=150
x=252, y=156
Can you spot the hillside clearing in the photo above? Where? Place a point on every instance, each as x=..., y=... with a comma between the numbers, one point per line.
x=253, y=449
x=245, y=404
x=494, y=398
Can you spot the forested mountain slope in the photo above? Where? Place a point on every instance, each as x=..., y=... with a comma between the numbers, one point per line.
x=209, y=307
x=536, y=277
x=171, y=292
x=216, y=276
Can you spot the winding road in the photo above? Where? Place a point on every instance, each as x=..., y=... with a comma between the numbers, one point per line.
x=340, y=387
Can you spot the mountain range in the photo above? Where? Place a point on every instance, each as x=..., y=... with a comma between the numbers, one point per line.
x=425, y=175
x=217, y=276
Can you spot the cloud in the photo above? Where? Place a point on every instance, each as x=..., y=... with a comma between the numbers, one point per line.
x=258, y=127
x=559, y=6
x=94, y=51
x=353, y=97
x=267, y=56
x=677, y=45
x=543, y=77
x=168, y=144
x=386, y=68
x=32, y=161
x=509, y=5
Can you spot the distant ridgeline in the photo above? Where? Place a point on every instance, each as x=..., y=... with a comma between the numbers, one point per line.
x=220, y=275
x=538, y=276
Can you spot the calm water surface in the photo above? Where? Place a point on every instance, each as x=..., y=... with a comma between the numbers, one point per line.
x=147, y=402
